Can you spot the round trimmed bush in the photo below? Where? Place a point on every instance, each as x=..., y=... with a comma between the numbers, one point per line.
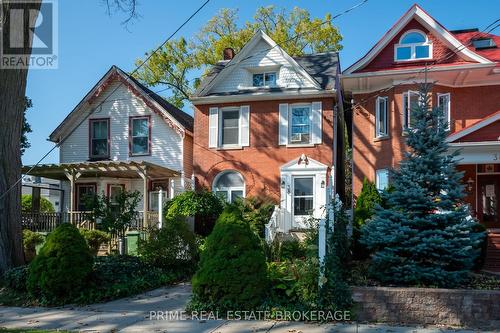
x=62, y=267
x=94, y=239
x=232, y=273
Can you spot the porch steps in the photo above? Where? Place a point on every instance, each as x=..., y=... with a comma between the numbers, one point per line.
x=492, y=261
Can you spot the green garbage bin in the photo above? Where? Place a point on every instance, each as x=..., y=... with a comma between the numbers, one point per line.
x=132, y=240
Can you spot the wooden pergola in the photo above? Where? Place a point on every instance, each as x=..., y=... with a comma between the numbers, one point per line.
x=114, y=169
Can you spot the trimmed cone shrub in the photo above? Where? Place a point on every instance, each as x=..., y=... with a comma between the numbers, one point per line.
x=60, y=270
x=232, y=273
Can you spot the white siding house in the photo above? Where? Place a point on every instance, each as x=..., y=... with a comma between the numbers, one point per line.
x=122, y=136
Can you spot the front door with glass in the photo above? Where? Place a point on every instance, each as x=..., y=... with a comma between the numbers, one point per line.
x=303, y=200
x=488, y=212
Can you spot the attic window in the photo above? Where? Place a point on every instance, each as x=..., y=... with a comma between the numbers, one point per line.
x=484, y=43
x=264, y=79
x=413, y=45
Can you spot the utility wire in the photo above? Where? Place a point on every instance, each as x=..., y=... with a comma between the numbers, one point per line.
x=452, y=53
x=102, y=102
x=231, y=63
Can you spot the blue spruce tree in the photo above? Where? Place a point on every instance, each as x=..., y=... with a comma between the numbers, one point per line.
x=424, y=235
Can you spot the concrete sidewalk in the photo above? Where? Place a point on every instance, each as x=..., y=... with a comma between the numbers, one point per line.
x=133, y=315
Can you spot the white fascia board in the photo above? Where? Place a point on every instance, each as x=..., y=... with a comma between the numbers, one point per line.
x=263, y=96
x=473, y=128
x=245, y=52
x=431, y=24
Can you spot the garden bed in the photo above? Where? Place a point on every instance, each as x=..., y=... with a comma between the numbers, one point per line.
x=476, y=281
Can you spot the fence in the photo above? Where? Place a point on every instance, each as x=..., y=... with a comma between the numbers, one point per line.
x=46, y=222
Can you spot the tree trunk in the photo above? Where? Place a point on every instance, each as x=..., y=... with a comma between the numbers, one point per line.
x=12, y=103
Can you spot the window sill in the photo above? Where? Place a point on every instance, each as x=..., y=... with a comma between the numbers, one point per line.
x=139, y=155
x=300, y=145
x=230, y=148
x=381, y=138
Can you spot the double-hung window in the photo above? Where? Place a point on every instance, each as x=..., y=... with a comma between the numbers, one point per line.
x=230, y=127
x=267, y=79
x=300, y=124
x=140, y=136
x=382, y=179
x=381, y=117
x=99, y=138
x=444, y=103
x=410, y=102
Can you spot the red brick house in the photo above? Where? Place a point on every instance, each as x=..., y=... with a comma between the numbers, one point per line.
x=464, y=67
x=264, y=126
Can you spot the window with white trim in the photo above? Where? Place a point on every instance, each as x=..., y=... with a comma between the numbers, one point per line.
x=229, y=185
x=267, y=79
x=303, y=195
x=140, y=135
x=99, y=138
x=382, y=179
x=381, y=117
x=413, y=45
x=410, y=102
x=444, y=102
x=300, y=124
x=230, y=126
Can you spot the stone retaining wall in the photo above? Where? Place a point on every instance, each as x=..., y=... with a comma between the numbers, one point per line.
x=469, y=308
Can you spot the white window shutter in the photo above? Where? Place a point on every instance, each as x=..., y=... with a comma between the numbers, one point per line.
x=283, y=126
x=213, y=124
x=316, y=122
x=244, y=125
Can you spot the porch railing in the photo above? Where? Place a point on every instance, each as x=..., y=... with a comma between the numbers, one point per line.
x=275, y=224
x=46, y=222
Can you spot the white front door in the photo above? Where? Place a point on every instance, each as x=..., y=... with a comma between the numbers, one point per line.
x=302, y=201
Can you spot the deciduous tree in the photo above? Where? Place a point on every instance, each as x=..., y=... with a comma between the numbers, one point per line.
x=295, y=31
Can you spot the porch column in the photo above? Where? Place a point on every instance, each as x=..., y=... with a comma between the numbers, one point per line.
x=72, y=175
x=145, y=197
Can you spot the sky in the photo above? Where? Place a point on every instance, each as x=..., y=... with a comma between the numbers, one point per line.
x=91, y=41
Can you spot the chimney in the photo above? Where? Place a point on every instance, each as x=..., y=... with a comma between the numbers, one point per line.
x=228, y=53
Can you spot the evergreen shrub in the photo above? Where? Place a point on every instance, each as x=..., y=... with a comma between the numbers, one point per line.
x=232, y=273
x=61, y=269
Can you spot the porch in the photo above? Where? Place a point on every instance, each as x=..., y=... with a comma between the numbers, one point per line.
x=78, y=180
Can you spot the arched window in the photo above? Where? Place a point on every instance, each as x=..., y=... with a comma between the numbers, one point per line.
x=230, y=185
x=413, y=45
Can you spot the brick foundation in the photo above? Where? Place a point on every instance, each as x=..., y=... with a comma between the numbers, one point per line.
x=469, y=308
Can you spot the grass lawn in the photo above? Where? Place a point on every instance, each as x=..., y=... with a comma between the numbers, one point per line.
x=22, y=330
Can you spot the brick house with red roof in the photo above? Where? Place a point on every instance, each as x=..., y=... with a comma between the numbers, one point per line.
x=464, y=67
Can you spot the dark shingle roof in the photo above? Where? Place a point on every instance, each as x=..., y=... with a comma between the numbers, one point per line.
x=182, y=117
x=322, y=67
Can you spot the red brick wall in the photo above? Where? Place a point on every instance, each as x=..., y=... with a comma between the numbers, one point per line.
x=468, y=105
x=385, y=59
x=188, y=156
x=260, y=162
x=487, y=133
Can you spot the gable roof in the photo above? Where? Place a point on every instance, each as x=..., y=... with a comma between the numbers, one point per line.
x=417, y=13
x=174, y=117
x=320, y=69
x=474, y=127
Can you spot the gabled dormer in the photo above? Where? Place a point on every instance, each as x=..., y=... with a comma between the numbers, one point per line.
x=263, y=68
